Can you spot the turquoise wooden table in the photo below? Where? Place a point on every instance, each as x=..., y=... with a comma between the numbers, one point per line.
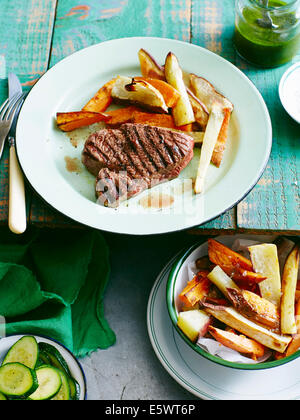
x=36, y=34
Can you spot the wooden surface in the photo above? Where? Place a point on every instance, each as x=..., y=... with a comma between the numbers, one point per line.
x=37, y=34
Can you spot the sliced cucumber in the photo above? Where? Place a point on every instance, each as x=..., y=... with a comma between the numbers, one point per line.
x=2, y=397
x=17, y=380
x=24, y=351
x=43, y=359
x=64, y=393
x=49, y=383
x=55, y=357
x=74, y=389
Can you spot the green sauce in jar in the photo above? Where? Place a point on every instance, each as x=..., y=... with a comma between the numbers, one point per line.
x=266, y=46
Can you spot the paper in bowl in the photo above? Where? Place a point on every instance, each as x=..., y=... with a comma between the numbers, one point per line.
x=217, y=349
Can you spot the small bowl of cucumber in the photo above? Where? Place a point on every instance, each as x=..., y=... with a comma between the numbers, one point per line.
x=37, y=368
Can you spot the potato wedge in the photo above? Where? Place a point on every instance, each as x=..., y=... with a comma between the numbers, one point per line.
x=200, y=111
x=235, y=320
x=141, y=93
x=170, y=94
x=295, y=343
x=102, y=99
x=209, y=96
x=198, y=137
x=69, y=121
x=264, y=259
x=255, y=308
x=211, y=135
x=149, y=67
x=194, y=324
x=238, y=343
x=222, y=281
x=289, y=284
x=183, y=112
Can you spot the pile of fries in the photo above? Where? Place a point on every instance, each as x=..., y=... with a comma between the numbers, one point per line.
x=163, y=96
x=251, y=305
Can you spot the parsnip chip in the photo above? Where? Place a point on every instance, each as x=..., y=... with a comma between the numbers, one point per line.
x=211, y=135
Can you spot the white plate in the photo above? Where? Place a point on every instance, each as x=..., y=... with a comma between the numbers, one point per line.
x=289, y=91
x=75, y=368
x=42, y=148
x=206, y=379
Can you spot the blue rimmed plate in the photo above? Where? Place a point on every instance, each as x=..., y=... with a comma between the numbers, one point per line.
x=75, y=367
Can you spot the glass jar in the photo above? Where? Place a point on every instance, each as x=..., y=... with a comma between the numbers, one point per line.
x=267, y=33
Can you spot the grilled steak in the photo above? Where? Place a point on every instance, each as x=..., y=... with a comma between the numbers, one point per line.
x=133, y=158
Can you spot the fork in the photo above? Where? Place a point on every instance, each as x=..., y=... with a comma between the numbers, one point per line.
x=8, y=111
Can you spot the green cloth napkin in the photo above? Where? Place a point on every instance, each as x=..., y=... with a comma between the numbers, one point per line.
x=52, y=283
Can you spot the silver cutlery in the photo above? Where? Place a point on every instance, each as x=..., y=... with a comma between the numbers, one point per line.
x=8, y=112
x=17, y=219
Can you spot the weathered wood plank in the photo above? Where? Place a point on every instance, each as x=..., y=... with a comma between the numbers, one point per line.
x=273, y=205
x=210, y=29
x=81, y=25
x=25, y=39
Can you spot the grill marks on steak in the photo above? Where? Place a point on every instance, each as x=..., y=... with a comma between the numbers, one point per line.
x=135, y=157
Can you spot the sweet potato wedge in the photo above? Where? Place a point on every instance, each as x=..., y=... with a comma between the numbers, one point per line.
x=234, y=264
x=218, y=252
x=121, y=116
x=220, y=146
x=157, y=120
x=255, y=308
x=188, y=128
x=69, y=121
x=238, y=343
x=196, y=290
x=170, y=94
x=149, y=67
x=102, y=99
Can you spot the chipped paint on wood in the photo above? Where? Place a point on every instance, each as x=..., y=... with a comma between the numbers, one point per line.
x=82, y=12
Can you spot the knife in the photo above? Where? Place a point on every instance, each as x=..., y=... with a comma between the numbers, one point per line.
x=17, y=219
